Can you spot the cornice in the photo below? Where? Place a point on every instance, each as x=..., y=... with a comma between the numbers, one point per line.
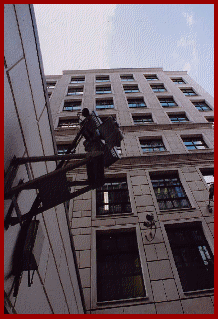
x=164, y=127
x=157, y=162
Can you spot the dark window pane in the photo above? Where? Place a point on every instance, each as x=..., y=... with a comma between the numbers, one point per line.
x=119, y=274
x=193, y=257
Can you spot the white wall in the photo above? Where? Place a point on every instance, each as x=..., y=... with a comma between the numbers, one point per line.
x=29, y=132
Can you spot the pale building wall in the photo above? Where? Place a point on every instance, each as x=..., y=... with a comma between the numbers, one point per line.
x=163, y=287
x=28, y=131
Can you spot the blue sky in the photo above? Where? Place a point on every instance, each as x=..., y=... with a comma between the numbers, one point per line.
x=94, y=36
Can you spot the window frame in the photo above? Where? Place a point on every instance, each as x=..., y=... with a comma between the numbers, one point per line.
x=209, y=240
x=78, y=108
x=78, y=91
x=62, y=145
x=158, y=88
x=104, y=78
x=152, y=139
x=178, y=80
x=208, y=171
x=135, y=99
x=106, y=101
x=182, y=185
x=128, y=252
x=210, y=119
x=130, y=79
x=144, y=267
x=104, y=89
x=53, y=83
x=188, y=89
x=151, y=77
x=131, y=88
x=167, y=102
x=208, y=108
x=114, y=203
x=197, y=138
x=78, y=79
x=177, y=116
x=68, y=119
x=143, y=116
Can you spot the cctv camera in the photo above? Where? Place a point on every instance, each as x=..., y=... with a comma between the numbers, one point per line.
x=150, y=217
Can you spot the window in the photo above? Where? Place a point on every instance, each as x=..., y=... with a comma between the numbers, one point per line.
x=202, y=106
x=175, y=118
x=155, y=145
x=104, y=104
x=131, y=88
x=137, y=102
x=169, y=192
x=62, y=148
x=72, y=105
x=102, y=78
x=127, y=77
x=68, y=123
x=75, y=91
x=103, y=89
x=119, y=150
x=178, y=81
x=210, y=119
x=77, y=79
x=208, y=175
x=158, y=88
x=188, y=92
x=119, y=274
x=192, y=255
x=142, y=119
x=50, y=85
x=167, y=102
x=113, y=197
x=104, y=118
x=194, y=143
x=152, y=77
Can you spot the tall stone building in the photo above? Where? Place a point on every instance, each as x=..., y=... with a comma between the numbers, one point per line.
x=144, y=241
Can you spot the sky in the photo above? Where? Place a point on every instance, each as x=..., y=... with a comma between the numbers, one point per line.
x=176, y=37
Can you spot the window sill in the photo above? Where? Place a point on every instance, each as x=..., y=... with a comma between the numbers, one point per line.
x=205, y=150
x=121, y=302
x=173, y=210
x=106, y=216
x=209, y=291
x=155, y=153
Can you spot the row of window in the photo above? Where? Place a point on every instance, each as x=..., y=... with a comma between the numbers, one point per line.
x=137, y=119
x=106, y=78
x=106, y=89
x=119, y=271
x=113, y=197
x=103, y=104
x=155, y=145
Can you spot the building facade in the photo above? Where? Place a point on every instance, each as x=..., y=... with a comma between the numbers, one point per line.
x=28, y=131
x=165, y=171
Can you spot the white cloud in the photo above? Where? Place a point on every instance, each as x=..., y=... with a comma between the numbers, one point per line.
x=186, y=41
x=74, y=36
x=189, y=18
x=187, y=67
